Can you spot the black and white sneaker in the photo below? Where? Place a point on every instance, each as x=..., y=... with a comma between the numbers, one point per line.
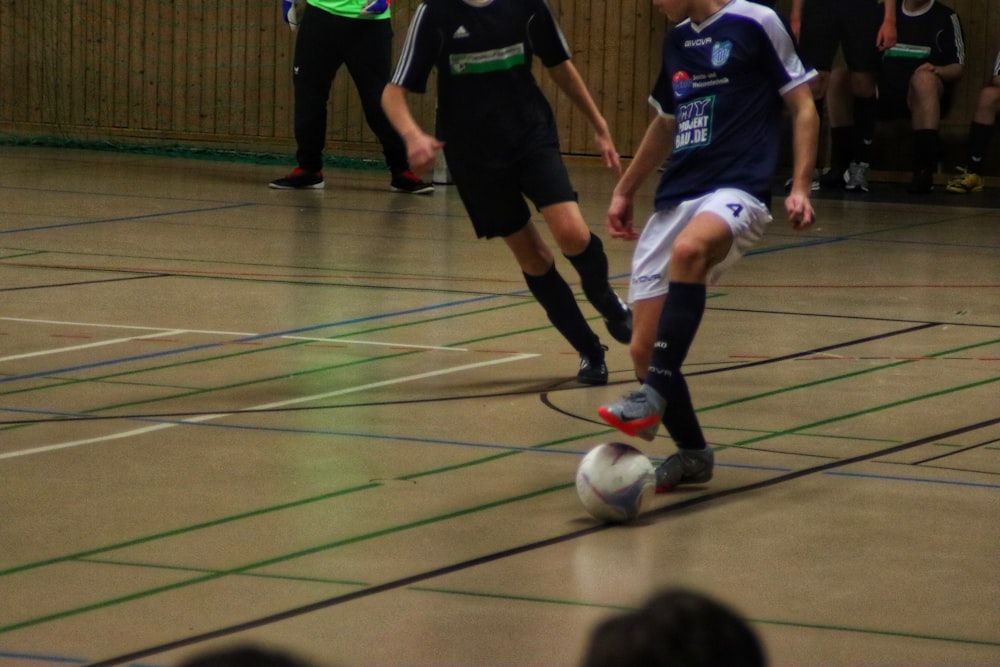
x=593, y=370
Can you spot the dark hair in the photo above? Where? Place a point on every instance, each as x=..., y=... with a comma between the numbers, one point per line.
x=245, y=656
x=675, y=628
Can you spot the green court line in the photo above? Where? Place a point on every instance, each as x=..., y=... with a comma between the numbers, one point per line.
x=558, y=601
x=762, y=621
x=284, y=506
x=332, y=545
x=185, y=530
x=844, y=376
x=212, y=576
x=868, y=411
x=203, y=570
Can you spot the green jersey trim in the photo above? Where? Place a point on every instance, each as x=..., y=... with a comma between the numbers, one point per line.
x=494, y=60
x=909, y=51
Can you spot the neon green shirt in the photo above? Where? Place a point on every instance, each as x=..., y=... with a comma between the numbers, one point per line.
x=348, y=8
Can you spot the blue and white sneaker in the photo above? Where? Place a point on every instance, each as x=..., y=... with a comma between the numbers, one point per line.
x=638, y=413
x=687, y=466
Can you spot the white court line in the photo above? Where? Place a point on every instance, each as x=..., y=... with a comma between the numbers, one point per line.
x=265, y=406
x=237, y=334
x=74, y=348
x=372, y=342
x=122, y=326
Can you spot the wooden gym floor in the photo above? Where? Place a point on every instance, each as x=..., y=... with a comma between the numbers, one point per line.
x=334, y=423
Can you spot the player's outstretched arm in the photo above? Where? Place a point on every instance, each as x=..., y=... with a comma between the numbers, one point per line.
x=656, y=146
x=420, y=146
x=566, y=76
x=805, y=131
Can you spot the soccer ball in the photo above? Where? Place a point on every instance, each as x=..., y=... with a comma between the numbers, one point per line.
x=615, y=481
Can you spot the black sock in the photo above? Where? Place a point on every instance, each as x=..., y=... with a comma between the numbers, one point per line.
x=555, y=296
x=679, y=320
x=841, y=147
x=925, y=150
x=865, y=112
x=592, y=265
x=979, y=141
x=679, y=417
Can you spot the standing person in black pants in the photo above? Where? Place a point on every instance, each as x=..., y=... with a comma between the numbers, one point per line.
x=862, y=29
x=358, y=34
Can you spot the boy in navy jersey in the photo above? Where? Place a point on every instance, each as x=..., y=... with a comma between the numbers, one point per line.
x=499, y=138
x=918, y=76
x=729, y=68
x=969, y=178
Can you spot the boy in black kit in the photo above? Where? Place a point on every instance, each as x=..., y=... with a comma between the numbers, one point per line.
x=499, y=137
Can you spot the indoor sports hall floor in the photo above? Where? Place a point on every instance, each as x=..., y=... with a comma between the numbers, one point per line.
x=333, y=422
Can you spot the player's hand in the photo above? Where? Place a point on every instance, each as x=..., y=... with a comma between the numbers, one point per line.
x=420, y=151
x=619, y=220
x=609, y=155
x=800, y=210
x=886, y=37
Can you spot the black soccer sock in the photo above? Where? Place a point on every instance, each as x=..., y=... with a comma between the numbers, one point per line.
x=841, y=139
x=675, y=331
x=555, y=296
x=925, y=150
x=679, y=417
x=979, y=141
x=592, y=265
x=865, y=113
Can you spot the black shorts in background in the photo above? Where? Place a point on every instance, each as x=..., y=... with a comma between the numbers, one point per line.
x=850, y=24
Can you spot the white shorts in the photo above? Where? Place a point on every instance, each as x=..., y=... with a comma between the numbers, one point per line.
x=744, y=214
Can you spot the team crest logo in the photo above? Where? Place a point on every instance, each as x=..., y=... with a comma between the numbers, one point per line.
x=682, y=84
x=721, y=52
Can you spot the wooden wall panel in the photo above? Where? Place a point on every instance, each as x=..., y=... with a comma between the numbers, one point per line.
x=218, y=74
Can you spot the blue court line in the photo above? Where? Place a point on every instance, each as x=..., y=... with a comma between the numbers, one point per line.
x=981, y=485
x=130, y=218
x=256, y=337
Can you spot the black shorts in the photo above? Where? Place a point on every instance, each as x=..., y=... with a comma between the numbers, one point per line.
x=892, y=104
x=494, y=196
x=851, y=24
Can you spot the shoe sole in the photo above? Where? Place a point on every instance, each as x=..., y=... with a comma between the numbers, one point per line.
x=315, y=186
x=632, y=427
x=592, y=381
x=421, y=191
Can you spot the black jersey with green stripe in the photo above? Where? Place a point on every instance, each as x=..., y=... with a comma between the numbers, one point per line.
x=490, y=108
x=931, y=35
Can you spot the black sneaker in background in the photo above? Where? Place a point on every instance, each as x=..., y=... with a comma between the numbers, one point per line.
x=299, y=179
x=922, y=183
x=407, y=181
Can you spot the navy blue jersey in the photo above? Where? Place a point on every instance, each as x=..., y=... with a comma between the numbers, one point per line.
x=490, y=106
x=722, y=81
x=932, y=35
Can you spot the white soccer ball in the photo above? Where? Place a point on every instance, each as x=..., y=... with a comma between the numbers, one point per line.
x=615, y=482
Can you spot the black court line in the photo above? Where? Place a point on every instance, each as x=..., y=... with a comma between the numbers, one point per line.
x=960, y=450
x=525, y=548
x=78, y=283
